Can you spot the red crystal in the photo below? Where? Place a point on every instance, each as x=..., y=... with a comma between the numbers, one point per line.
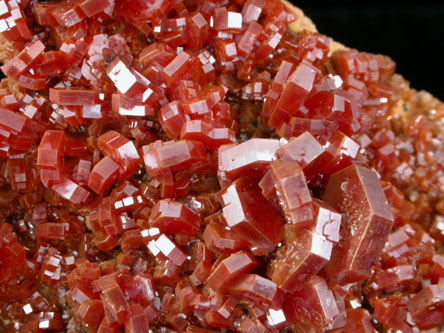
x=51, y=63
x=295, y=90
x=358, y=320
x=130, y=83
x=73, y=96
x=202, y=130
x=103, y=175
x=13, y=253
x=356, y=192
x=292, y=192
x=257, y=289
x=426, y=307
x=249, y=38
x=250, y=215
x=173, y=155
x=230, y=269
x=91, y=313
x=121, y=150
x=174, y=218
x=51, y=267
x=305, y=150
x=158, y=53
x=314, y=305
x=32, y=82
x=196, y=108
x=93, y=7
x=115, y=305
x=201, y=261
x=285, y=69
x=246, y=159
x=268, y=153
x=363, y=66
x=197, y=30
x=50, y=157
x=24, y=59
x=172, y=118
x=71, y=191
x=137, y=321
x=68, y=16
x=107, y=219
x=223, y=240
x=52, y=230
x=163, y=247
x=227, y=21
x=183, y=66
x=252, y=10
x=394, y=278
x=306, y=252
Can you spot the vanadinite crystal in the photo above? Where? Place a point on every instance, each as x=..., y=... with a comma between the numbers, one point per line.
x=204, y=166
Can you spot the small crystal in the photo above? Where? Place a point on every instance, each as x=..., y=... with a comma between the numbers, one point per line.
x=230, y=269
x=250, y=215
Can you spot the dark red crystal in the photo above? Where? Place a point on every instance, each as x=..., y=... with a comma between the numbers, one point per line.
x=230, y=269
x=199, y=166
x=356, y=192
x=174, y=218
x=250, y=215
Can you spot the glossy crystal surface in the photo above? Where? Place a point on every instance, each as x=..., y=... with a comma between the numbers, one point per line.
x=292, y=192
x=250, y=215
x=230, y=269
x=366, y=225
x=314, y=305
x=203, y=166
x=305, y=252
x=174, y=218
x=247, y=159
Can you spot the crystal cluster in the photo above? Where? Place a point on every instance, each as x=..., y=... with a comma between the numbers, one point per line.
x=195, y=166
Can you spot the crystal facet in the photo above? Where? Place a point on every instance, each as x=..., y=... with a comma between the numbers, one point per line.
x=356, y=192
x=250, y=215
x=275, y=163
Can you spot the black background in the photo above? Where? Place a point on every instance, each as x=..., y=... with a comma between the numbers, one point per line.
x=411, y=33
